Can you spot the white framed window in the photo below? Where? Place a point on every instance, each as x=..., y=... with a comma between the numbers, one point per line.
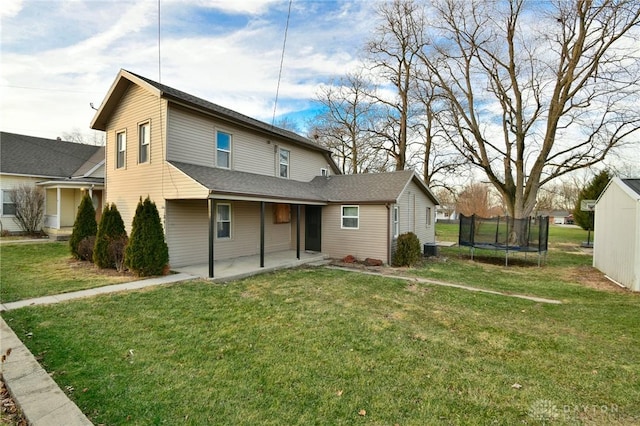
x=8, y=204
x=223, y=220
x=324, y=172
x=284, y=162
x=396, y=221
x=144, y=137
x=350, y=217
x=223, y=150
x=429, y=216
x=121, y=149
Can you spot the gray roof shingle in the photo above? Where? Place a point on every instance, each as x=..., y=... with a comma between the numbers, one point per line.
x=34, y=156
x=634, y=184
x=170, y=92
x=362, y=188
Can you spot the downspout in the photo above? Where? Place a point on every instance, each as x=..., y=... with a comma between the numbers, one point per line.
x=388, y=233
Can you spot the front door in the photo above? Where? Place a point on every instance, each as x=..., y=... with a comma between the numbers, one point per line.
x=312, y=230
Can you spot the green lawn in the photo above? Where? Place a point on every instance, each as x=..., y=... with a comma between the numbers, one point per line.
x=324, y=346
x=317, y=346
x=34, y=270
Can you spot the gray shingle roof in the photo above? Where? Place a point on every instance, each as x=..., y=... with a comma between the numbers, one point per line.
x=170, y=92
x=361, y=188
x=634, y=184
x=249, y=184
x=33, y=156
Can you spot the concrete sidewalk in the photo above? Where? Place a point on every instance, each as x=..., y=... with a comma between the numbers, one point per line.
x=134, y=285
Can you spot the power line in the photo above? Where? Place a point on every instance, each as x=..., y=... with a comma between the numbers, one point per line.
x=284, y=44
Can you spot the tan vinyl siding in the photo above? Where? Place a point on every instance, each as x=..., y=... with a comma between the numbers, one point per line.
x=617, y=236
x=188, y=232
x=191, y=139
x=127, y=185
x=413, y=203
x=369, y=240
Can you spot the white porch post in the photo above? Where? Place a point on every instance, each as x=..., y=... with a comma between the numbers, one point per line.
x=58, y=213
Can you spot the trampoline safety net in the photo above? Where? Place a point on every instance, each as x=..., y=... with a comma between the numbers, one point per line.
x=504, y=233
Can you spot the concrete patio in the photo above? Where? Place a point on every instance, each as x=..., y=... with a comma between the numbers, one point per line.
x=245, y=266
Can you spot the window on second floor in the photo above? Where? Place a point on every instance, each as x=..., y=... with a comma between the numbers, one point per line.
x=223, y=150
x=121, y=149
x=284, y=163
x=350, y=217
x=8, y=205
x=144, y=136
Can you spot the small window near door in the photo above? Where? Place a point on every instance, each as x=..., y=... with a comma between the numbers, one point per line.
x=396, y=221
x=223, y=220
x=350, y=217
x=144, y=137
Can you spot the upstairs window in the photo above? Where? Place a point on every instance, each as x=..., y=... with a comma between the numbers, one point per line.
x=8, y=204
x=223, y=219
x=223, y=150
x=350, y=217
x=144, y=137
x=121, y=149
x=284, y=163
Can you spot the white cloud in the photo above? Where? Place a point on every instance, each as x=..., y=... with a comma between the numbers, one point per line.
x=10, y=8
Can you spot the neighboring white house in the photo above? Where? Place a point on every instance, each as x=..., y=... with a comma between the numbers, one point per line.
x=64, y=171
x=616, y=250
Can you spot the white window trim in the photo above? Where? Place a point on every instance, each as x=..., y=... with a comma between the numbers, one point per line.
x=396, y=221
x=342, y=217
x=124, y=150
x=230, y=221
x=224, y=150
x=280, y=163
x=324, y=172
x=141, y=143
x=429, y=214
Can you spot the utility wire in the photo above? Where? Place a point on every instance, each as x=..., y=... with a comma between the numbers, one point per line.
x=284, y=44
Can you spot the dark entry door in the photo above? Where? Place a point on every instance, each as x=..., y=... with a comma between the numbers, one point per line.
x=313, y=225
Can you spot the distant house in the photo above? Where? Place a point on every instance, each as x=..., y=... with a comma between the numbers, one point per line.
x=558, y=217
x=446, y=212
x=616, y=250
x=64, y=170
x=228, y=185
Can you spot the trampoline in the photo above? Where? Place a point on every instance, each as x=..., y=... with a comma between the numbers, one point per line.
x=528, y=235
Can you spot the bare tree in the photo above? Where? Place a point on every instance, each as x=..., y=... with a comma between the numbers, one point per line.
x=535, y=90
x=29, y=202
x=393, y=53
x=344, y=124
x=93, y=138
x=477, y=198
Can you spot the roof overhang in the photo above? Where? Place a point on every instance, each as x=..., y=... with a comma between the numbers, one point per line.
x=216, y=195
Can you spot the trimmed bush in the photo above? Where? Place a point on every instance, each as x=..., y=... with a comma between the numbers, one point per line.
x=85, y=248
x=407, y=250
x=111, y=228
x=84, y=226
x=147, y=252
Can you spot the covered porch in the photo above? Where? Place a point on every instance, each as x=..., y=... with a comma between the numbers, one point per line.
x=62, y=198
x=245, y=266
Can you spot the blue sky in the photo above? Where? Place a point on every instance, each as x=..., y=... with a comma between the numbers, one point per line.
x=59, y=56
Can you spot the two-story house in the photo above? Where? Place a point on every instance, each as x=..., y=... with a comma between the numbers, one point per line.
x=227, y=185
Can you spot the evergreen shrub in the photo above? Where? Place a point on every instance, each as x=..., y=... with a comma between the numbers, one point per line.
x=407, y=250
x=147, y=252
x=84, y=226
x=111, y=228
